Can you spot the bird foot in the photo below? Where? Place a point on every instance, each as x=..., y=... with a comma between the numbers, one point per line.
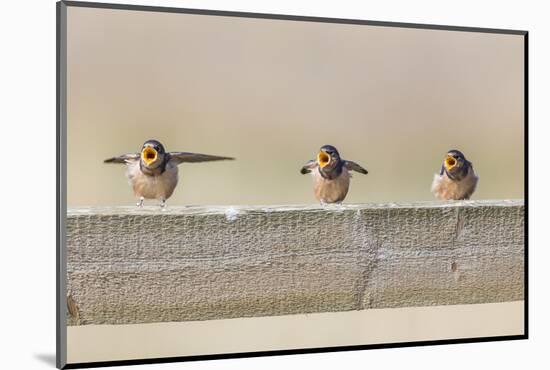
x=140, y=203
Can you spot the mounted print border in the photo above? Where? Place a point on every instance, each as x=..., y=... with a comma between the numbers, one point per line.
x=485, y=264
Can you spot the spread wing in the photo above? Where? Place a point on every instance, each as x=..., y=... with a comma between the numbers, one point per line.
x=125, y=158
x=181, y=157
x=352, y=166
x=308, y=167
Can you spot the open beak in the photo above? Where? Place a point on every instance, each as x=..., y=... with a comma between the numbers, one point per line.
x=450, y=162
x=149, y=155
x=323, y=159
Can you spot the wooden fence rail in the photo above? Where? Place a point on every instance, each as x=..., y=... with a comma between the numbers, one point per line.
x=128, y=265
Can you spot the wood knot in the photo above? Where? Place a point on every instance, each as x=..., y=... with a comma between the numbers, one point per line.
x=72, y=308
x=454, y=267
x=457, y=275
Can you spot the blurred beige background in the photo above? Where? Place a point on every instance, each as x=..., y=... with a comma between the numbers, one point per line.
x=316, y=330
x=272, y=92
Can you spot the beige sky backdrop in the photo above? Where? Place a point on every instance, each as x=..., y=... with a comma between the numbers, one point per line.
x=272, y=92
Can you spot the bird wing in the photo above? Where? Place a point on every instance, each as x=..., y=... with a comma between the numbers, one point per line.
x=308, y=167
x=352, y=166
x=181, y=157
x=125, y=158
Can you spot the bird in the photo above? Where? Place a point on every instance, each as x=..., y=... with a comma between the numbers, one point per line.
x=153, y=173
x=457, y=179
x=331, y=175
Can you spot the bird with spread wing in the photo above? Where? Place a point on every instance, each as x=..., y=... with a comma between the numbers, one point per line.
x=153, y=173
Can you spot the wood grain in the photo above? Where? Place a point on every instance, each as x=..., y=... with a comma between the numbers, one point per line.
x=127, y=265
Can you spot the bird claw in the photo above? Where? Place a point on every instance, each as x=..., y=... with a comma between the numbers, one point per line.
x=140, y=203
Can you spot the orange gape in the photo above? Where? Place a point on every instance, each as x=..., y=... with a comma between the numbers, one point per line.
x=450, y=162
x=323, y=159
x=149, y=155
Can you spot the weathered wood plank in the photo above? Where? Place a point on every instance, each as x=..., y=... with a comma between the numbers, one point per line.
x=130, y=265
